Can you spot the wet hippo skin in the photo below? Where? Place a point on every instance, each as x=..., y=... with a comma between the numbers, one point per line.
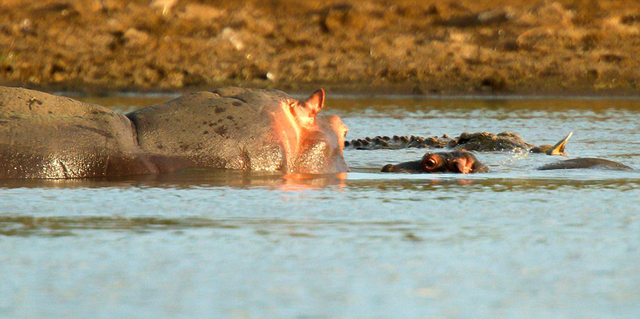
x=578, y=163
x=236, y=128
x=443, y=162
x=47, y=136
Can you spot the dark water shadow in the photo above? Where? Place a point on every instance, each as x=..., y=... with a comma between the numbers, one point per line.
x=56, y=226
x=65, y=226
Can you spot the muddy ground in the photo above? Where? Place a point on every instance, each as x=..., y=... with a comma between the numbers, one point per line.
x=396, y=46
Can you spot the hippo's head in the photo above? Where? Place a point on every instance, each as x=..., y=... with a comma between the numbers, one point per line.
x=312, y=143
x=444, y=162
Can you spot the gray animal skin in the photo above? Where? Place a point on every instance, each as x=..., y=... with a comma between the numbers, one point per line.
x=581, y=163
x=233, y=128
x=47, y=136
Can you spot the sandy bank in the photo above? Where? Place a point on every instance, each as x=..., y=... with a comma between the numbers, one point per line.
x=407, y=47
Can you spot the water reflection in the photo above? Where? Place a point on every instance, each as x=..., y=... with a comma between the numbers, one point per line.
x=191, y=178
x=296, y=181
x=64, y=226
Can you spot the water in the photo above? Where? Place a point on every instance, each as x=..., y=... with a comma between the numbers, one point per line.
x=513, y=243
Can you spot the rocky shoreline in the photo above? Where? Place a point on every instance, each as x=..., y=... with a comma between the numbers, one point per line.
x=362, y=47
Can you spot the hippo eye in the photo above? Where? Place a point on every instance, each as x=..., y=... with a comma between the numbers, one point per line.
x=430, y=162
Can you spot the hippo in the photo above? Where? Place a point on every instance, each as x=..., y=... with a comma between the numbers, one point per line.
x=464, y=162
x=479, y=142
x=47, y=136
x=444, y=162
x=586, y=162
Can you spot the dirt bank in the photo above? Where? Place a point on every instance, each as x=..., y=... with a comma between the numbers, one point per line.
x=394, y=46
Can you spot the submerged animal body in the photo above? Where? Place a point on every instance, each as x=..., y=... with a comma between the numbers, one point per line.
x=247, y=129
x=586, y=162
x=466, y=163
x=47, y=136
x=442, y=162
x=479, y=142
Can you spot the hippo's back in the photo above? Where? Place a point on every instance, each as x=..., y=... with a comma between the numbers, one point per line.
x=47, y=136
x=227, y=128
x=578, y=163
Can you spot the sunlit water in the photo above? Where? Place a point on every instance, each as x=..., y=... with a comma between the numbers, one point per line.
x=513, y=243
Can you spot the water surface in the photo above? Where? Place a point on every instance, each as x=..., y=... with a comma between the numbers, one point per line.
x=513, y=243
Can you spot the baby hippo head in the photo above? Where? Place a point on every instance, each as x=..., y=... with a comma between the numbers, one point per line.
x=443, y=162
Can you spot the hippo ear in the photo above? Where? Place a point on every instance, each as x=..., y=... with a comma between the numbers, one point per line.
x=464, y=165
x=316, y=101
